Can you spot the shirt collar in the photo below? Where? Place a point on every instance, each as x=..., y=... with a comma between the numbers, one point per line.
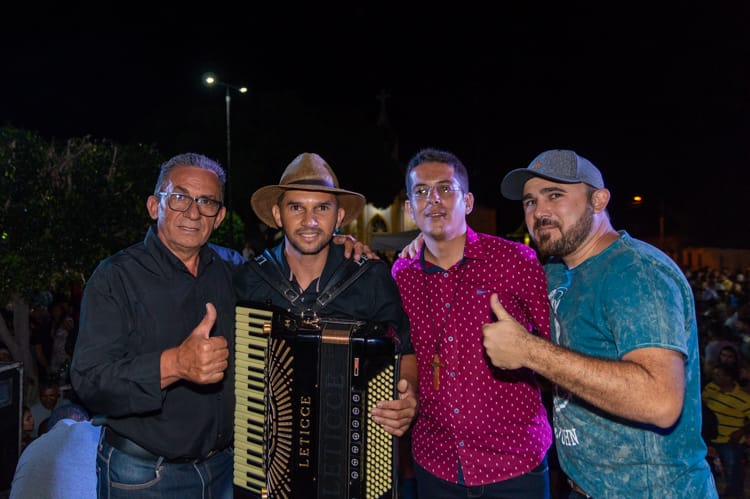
x=167, y=260
x=335, y=254
x=472, y=251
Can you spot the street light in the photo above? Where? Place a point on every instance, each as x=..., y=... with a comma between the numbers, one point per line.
x=210, y=80
x=638, y=201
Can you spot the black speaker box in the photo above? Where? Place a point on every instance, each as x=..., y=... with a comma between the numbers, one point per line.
x=11, y=409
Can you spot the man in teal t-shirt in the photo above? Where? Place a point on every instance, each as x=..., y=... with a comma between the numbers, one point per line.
x=627, y=413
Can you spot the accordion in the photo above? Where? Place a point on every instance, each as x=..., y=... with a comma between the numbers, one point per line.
x=304, y=389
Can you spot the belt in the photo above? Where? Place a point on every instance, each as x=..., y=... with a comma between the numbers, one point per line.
x=578, y=489
x=129, y=447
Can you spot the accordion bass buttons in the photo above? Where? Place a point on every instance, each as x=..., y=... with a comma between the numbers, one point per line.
x=356, y=436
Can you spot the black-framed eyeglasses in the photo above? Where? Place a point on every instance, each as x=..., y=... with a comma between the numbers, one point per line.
x=182, y=202
x=443, y=190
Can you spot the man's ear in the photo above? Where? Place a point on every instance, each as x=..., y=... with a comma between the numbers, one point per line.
x=220, y=217
x=152, y=205
x=409, y=211
x=600, y=199
x=469, y=202
x=276, y=215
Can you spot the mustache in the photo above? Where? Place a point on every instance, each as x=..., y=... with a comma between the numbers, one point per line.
x=545, y=222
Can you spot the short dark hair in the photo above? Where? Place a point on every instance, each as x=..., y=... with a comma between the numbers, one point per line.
x=189, y=159
x=431, y=155
x=67, y=411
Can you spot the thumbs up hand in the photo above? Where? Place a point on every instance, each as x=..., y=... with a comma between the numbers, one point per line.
x=202, y=358
x=505, y=341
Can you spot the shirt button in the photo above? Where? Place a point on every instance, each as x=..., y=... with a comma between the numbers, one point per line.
x=446, y=274
x=452, y=374
x=461, y=444
x=450, y=338
x=455, y=411
x=447, y=305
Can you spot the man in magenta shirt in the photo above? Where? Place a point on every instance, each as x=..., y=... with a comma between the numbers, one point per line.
x=481, y=431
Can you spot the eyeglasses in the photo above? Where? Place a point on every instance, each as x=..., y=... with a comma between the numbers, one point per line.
x=182, y=202
x=443, y=190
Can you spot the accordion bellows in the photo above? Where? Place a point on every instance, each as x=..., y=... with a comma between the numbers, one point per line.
x=304, y=389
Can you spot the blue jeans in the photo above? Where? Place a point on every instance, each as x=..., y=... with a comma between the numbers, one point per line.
x=731, y=461
x=532, y=485
x=123, y=476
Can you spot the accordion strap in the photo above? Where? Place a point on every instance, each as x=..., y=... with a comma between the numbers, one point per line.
x=270, y=270
x=346, y=273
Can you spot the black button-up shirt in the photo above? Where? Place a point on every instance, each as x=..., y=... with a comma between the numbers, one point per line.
x=138, y=303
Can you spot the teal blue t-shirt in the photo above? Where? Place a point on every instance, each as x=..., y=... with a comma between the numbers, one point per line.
x=629, y=296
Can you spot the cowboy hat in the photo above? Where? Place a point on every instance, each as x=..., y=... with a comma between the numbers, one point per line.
x=307, y=172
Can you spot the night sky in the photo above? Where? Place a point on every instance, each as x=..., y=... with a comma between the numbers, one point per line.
x=656, y=96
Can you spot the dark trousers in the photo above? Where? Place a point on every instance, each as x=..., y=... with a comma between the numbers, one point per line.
x=532, y=485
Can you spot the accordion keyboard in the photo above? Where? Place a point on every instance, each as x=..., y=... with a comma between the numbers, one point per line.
x=253, y=328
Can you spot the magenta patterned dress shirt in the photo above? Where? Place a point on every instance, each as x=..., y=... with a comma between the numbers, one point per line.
x=491, y=420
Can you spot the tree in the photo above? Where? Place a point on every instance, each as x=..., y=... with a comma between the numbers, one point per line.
x=64, y=208
x=232, y=235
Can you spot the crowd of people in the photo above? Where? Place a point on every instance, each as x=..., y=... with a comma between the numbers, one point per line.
x=632, y=347
x=723, y=309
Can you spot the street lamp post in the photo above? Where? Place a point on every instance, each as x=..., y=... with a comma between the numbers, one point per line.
x=638, y=201
x=210, y=80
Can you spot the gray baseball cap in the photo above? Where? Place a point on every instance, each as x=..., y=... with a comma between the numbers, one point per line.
x=558, y=165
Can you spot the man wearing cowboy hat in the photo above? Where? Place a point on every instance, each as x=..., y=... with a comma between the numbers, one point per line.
x=308, y=206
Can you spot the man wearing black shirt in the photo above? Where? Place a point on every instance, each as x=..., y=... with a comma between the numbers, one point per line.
x=308, y=206
x=152, y=355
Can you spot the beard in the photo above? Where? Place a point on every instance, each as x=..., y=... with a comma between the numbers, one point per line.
x=570, y=240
